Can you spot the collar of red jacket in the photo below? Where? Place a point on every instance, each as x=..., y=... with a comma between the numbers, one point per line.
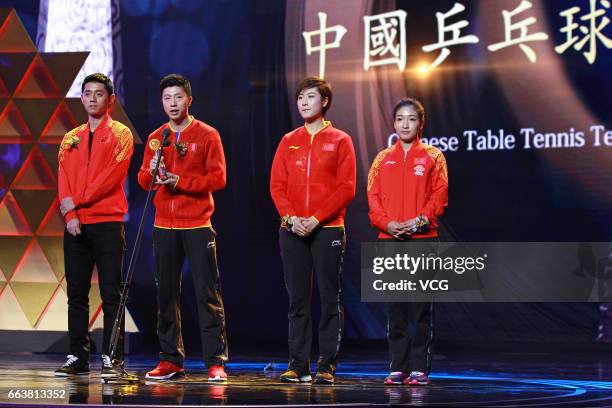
x=415, y=145
x=106, y=121
x=189, y=125
x=326, y=125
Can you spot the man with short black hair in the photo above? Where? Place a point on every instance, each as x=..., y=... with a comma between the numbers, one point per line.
x=93, y=163
x=191, y=168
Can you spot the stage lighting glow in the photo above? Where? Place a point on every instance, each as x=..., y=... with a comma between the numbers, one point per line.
x=83, y=25
x=423, y=70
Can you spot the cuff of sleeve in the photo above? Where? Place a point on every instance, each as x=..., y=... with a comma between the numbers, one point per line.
x=384, y=223
x=70, y=215
x=429, y=216
x=316, y=219
x=176, y=183
x=287, y=212
x=145, y=177
x=77, y=202
x=318, y=216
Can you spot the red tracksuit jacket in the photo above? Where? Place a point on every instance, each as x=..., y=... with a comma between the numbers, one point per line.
x=401, y=187
x=188, y=204
x=95, y=180
x=314, y=175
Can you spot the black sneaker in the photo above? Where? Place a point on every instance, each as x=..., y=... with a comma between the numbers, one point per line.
x=110, y=370
x=72, y=366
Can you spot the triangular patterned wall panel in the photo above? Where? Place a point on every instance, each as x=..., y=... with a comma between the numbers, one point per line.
x=12, y=316
x=53, y=247
x=35, y=174
x=37, y=82
x=52, y=224
x=4, y=93
x=34, y=204
x=61, y=121
x=49, y=152
x=37, y=112
x=55, y=316
x=34, y=267
x=3, y=101
x=13, y=68
x=64, y=67
x=33, y=297
x=13, y=156
x=75, y=106
x=13, y=127
x=12, y=250
x=12, y=219
x=13, y=35
x=4, y=13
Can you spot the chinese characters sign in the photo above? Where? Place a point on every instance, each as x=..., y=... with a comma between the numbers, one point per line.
x=385, y=34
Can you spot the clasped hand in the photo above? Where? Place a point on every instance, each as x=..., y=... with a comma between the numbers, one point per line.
x=303, y=226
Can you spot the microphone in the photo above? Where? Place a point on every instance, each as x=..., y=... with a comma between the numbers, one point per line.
x=165, y=143
x=165, y=136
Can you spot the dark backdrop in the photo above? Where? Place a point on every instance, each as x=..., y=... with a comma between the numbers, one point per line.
x=234, y=54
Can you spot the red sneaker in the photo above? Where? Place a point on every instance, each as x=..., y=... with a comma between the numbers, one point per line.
x=216, y=373
x=417, y=378
x=165, y=370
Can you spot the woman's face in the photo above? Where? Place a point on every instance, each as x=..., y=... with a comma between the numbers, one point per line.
x=407, y=124
x=310, y=104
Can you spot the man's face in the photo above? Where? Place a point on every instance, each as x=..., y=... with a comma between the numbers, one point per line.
x=407, y=124
x=176, y=103
x=310, y=104
x=96, y=100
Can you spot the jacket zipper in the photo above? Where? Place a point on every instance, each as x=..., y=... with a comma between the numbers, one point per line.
x=172, y=195
x=404, y=184
x=308, y=174
x=89, y=149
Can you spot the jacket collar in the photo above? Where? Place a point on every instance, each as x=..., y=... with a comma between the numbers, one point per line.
x=191, y=121
x=326, y=124
x=399, y=149
x=106, y=122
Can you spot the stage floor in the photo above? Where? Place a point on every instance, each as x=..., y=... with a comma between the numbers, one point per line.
x=495, y=379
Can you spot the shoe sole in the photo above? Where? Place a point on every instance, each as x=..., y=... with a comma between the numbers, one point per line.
x=323, y=381
x=217, y=379
x=302, y=379
x=70, y=375
x=394, y=382
x=416, y=383
x=172, y=376
x=110, y=375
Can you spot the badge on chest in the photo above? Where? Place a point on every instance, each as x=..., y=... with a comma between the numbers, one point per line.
x=419, y=166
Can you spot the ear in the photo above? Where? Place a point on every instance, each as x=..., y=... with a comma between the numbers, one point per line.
x=325, y=101
x=421, y=127
x=190, y=100
x=111, y=103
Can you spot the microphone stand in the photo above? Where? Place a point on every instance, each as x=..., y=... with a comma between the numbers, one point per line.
x=124, y=376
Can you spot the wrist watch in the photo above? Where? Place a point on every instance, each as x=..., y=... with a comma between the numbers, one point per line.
x=286, y=222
